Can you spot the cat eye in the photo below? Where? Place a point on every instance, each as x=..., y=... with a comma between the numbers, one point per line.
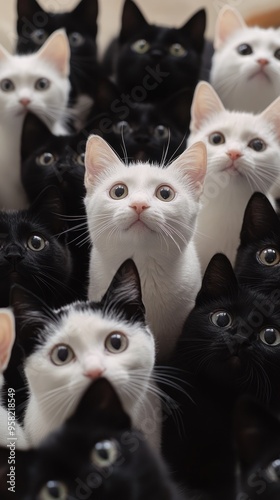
x=277, y=54
x=62, y=354
x=269, y=256
x=273, y=471
x=7, y=85
x=217, y=138
x=244, y=49
x=257, y=144
x=116, y=342
x=270, y=336
x=39, y=36
x=177, y=50
x=121, y=127
x=165, y=193
x=222, y=319
x=46, y=159
x=140, y=46
x=161, y=132
x=80, y=159
x=36, y=243
x=118, y=191
x=42, y=84
x=105, y=453
x=76, y=39
x=53, y=490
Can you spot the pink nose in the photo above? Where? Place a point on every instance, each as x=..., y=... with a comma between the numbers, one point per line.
x=233, y=154
x=94, y=374
x=24, y=101
x=139, y=207
x=263, y=62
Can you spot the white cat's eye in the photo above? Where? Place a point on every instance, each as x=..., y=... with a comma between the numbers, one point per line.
x=221, y=318
x=244, y=49
x=105, y=453
x=7, y=85
x=42, y=84
x=80, y=159
x=257, y=144
x=118, y=191
x=116, y=342
x=121, y=127
x=36, y=243
x=270, y=336
x=62, y=354
x=161, y=132
x=216, y=138
x=39, y=36
x=177, y=50
x=165, y=193
x=277, y=54
x=53, y=490
x=140, y=46
x=46, y=159
x=269, y=257
x=76, y=39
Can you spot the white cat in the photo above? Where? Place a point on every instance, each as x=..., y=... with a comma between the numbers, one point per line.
x=81, y=342
x=246, y=64
x=243, y=153
x=10, y=430
x=146, y=213
x=38, y=83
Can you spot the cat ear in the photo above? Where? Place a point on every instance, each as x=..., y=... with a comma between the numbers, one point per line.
x=99, y=158
x=124, y=293
x=133, y=21
x=271, y=115
x=56, y=50
x=229, y=21
x=7, y=336
x=206, y=103
x=192, y=164
x=195, y=28
x=259, y=219
x=34, y=134
x=219, y=280
x=87, y=12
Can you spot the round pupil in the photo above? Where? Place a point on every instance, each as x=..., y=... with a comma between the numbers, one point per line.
x=165, y=193
x=47, y=158
x=7, y=84
x=39, y=34
x=62, y=353
x=244, y=49
x=36, y=242
x=270, y=336
x=116, y=342
x=53, y=489
x=257, y=145
x=222, y=319
x=270, y=255
x=103, y=453
x=119, y=191
x=161, y=130
x=216, y=139
x=42, y=83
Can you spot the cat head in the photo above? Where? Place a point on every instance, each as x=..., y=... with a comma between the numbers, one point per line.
x=160, y=59
x=141, y=201
x=36, y=82
x=257, y=437
x=246, y=63
x=258, y=256
x=240, y=145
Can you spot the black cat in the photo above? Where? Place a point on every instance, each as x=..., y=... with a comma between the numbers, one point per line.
x=153, y=62
x=95, y=455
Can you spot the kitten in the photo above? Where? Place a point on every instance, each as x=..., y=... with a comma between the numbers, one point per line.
x=156, y=61
x=243, y=157
x=246, y=63
x=146, y=213
x=111, y=459
x=38, y=83
x=66, y=349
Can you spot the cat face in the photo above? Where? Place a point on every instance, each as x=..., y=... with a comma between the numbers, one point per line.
x=246, y=63
x=241, y=146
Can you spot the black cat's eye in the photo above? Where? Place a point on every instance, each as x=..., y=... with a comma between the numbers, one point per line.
x=222, y=319
x=45, y=159
x=76, y=39
x=80, y=159
x=165, y=193
x=270, y=336
x=62, y=354
x=121, y=127
x=53, y=490
x=272, y=472
x=42, y=84
x=177, y=50
x=116, y=342
x=105, y=453
x=269, y=257
x=140, y=46
x=39, y=36
x=277, y=54
x=244, y=49
x=161, y=132
x=217, y=138
x=257, y=144
x=7, y=85
x=36, y=243
x=118, y=191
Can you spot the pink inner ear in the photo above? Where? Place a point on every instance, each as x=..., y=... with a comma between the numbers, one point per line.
x=7, y=336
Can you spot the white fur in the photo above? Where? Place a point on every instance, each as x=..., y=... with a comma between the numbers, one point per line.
x=160, y=243
x=242, y=82
x=227, y=192
x=52, y=62
x=56, y=390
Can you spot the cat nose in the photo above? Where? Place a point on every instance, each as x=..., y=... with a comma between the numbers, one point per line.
x=156, y=53
x=94, y=373
x=262, y=61
x=25, y=101
x=140, y=206
x=234, y=154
